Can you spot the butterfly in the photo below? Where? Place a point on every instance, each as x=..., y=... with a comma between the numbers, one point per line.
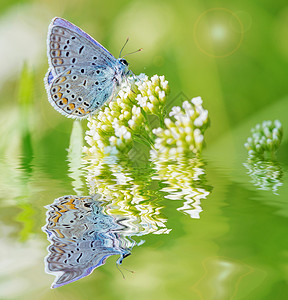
x=82, y=74
x=82, y=237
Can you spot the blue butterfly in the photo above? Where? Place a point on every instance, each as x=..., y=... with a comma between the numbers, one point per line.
x=82, y=74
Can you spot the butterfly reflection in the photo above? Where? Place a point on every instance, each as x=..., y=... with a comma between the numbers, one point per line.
x=82, y=237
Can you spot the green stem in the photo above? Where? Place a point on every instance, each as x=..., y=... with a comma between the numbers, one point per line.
x=161, y=120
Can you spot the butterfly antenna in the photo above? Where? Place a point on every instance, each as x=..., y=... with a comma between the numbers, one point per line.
x=117, y=265
x=133, y=52
x=123, y=46
x=131, y=271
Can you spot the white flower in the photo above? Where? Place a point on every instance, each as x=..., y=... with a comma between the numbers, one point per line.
x=175, y=110
x=157, y=131
x=198, y=122
x=197, y=101
x=161, y=95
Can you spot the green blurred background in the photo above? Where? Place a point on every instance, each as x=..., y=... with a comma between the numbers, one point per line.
x=234, y=54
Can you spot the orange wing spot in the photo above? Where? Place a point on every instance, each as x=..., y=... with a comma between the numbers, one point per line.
x=69, y=203
x=55, y=45
x=57, y=61
x=68, y=72
x=71, y=106
x=62, y=79
x=60, y=235
x=82, y=110
x=59, y=94
x=64, y=100
x=55, y=218
x=66, y=206
x=55, y=89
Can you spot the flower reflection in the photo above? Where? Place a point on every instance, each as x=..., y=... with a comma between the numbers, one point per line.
x=265, y=174
x=127, y=188
x=262, y=167
x=82, y=237
x=185, y=179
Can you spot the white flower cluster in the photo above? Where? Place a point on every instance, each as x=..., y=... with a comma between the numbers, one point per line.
x=266, y=137
x=184, y=133
x=112, y=129
x=153, y=94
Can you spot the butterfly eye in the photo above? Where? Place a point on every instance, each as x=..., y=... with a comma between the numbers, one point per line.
x=124, y=61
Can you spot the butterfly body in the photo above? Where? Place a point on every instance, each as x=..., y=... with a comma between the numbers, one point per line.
x=82, y=74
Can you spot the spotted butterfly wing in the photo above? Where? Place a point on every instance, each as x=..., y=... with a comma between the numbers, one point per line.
x=82, y=237
x=83, y=75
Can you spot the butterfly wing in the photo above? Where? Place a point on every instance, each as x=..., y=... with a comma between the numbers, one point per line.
x=82, y=71
x=68, y=45
x=76, y=93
